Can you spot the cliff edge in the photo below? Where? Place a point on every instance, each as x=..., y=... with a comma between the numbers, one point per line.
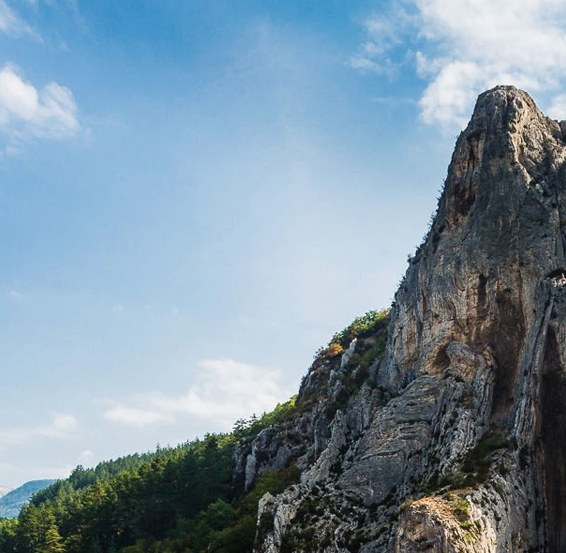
x=451, y=438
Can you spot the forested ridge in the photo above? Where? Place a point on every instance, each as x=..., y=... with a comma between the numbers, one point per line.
x=175, y=499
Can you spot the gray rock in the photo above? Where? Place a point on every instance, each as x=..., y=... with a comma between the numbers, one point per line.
x=456, y=441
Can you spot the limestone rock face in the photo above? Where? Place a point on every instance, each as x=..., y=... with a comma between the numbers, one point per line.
x=456, y=439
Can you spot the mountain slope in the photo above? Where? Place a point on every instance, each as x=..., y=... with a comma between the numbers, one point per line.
x=458, y=446
x=12, y=502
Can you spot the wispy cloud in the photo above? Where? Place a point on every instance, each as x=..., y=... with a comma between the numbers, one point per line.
x=86, y=456
x=384, y=50
x=226, y=391
x=132, y=416
x=461, y=47
x=62, y=426
x=29, y=113
x=13, y=25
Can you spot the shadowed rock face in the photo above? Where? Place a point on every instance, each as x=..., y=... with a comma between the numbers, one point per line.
x=457, y=441
x=552, y=434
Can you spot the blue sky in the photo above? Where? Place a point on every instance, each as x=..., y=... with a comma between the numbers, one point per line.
x=195, y=195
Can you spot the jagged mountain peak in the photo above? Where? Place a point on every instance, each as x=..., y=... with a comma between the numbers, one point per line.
x=506, y=128
x=455, y=440
x=498, y=225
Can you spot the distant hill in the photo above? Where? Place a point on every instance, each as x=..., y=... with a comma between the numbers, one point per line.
x=11, y=503
x=4, y=490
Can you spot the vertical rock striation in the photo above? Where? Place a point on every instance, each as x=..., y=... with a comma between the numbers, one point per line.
x=456, y=441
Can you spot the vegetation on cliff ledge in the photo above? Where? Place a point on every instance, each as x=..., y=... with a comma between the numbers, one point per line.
x=173, y=500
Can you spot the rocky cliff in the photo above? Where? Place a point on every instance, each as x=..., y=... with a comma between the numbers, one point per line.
x=452, y=437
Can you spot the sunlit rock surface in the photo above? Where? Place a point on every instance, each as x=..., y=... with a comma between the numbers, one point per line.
x=455, y=440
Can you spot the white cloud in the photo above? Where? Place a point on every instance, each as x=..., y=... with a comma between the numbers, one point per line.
x=27, y=112
x=85, y=457
x=557, y=108
x=12, y=25
x=365, y=64
x=385, y=34
x=61, y=427
x=131, y=416
x=226, y=391
x=448, y=98
x=463, y=47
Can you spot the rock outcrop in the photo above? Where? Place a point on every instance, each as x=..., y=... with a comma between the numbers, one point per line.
x=454, y=437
